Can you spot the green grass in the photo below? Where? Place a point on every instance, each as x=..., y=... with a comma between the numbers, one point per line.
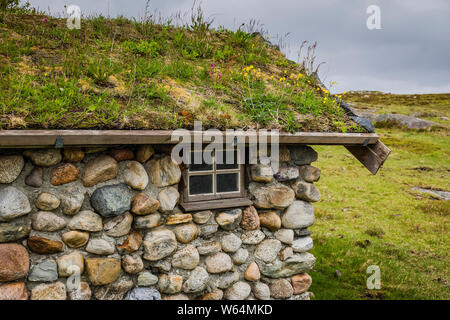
x=124, y=74
x=365, y=220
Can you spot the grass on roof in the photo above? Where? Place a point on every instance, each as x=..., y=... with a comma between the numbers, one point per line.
x=123, y=74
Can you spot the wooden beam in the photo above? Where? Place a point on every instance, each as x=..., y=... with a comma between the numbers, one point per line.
x=48, y=138
x=371, y=156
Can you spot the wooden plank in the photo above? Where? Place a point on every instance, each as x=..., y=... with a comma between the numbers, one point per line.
x=47, y=138
x=215, y=204
x=371, y=156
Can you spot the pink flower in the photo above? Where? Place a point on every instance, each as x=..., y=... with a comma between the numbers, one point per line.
x=44, y=20
x=212, y=66
x=220, y=75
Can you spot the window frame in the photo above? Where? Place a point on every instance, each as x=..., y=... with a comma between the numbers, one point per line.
x=240, y=170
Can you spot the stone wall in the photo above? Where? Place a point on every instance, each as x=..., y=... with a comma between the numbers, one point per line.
x=113, y=215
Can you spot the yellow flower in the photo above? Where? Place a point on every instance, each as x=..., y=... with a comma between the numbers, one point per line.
x=246, y=74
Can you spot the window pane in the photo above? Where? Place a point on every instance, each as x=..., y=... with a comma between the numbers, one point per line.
x=200, y=184
x=227, y=182
x=226, y=166
x=200, y=166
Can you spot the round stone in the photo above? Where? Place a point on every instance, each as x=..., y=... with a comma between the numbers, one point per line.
x=270, y=220
x=170, y=284
x=202, y=217
x=159, y=244
x=250, y=219
x=301, y=283
x=298, y=263
x=261, y=173
x=225, y=280
x=144, y=153
x=14, y=230
x=231, y=243
x=44, y=157
x=71, y=200
x=302, y=244
x=186, y=233
x=75, y=239
x=305, y=191
x=252, y=273
x=252, y=237
x=70, y=264
x=186, y=258
x=131, y=244
x=207, y=248
x=14, y=262
x=208, y=230
x=135, y=175
x=101, y=246
x=300, y=214
x=286, y=236
x=122, y=154
x=118, y=226
x=163, y=171
x=148, y=222
x=268, y=250
x=52, y=291
x=142, y=204
x=238, y=291
x=168, y=199
x=73, y=154
x=146, y=279
x=240, y=256
x=86, y=221
x=143, y=294
x=10, y=168
x=276, y=196
x=132, y=264
x=218, y=263
x=102, y=271
x=13, y=203
x=197, y=280
x=13, y=291
x=47, y=221
x=229, y=220
x=111, y=200
x=47, y=202
x=261, y=291
x=34, y=179
x=281, y=289
x=309, y=173
x=100, y=169
x=302, y=155
x=287, y=173
x=43, y=245
x=64, y=173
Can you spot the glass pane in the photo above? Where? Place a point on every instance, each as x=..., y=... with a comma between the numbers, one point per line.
x=200, y=184
x=227, y=182
x=226, y=165
x=199, y=166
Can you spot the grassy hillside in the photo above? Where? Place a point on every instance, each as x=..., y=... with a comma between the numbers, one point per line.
x=119, y=73
x=367, y=220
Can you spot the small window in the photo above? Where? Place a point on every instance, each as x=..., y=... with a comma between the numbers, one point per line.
x=214, y=181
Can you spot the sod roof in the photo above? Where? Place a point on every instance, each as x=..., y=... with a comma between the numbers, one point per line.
x=123, y=74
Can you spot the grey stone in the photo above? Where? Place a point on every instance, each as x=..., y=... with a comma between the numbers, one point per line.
x=261, y=173
x=14, y=230
x=118, y=226
x=302, y=244
x=163, y=171
x=271, y=196
x=202, y=217
x=148, y=222
x=305, y=191
x=112, y=200
x=46, y=271
x=231, y=242
x=159, y=244
x=146, y=279
x=206, y=231
x=186, y=258
x=47, y=201
x=135, y=175
x=218, y=263
x=302, y=155
x=47, y=221
x=285, y=235
x=132, y=264
x=100, y=246
x=143, y=294
x=168, y=199
x=186, y=233
x=304, y=232
x=34, y=179
x=252, y=237
x=71, y=200
x=238, y=291
x=114, y=291
x=44, y=157
x=405, y=121
x=268, y=250
x=225, y=280
x=170, y=284
x=207, y=248
x=86, y=221
x=13, y=203
x=309, y=173
x=197, y=280
x=287, y=173
x=229, y=220
x=298, y=263
x=10, y=167
x=261, y=291
x=300, y=214
x=240, y=256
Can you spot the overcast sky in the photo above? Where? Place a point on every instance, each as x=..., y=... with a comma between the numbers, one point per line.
x=409, y=54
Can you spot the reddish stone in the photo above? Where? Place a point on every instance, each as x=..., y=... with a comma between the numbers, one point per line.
x=142, y=204
x=63, y=174
x=132, y=242
x=250, y=219
x=43, y=245
x=301, y=282
x=13, y=291
x=14, y=262
x=122, y=154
